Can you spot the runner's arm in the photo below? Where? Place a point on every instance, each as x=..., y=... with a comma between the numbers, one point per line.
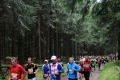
x=26, y=68
x=24, y=73
x=77, y=68
x=43, y=69
x=36, y=69
x=60, y=69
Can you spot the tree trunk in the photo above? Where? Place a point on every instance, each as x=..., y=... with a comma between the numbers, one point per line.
x=13, y=42
x=51, y=46
x=75, y=55
x=20, y=49
x=119, y=46
x=56, y=43
x=39, y=46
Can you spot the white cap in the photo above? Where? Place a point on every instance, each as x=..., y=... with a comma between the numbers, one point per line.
x=46, y=60
x=53, y=58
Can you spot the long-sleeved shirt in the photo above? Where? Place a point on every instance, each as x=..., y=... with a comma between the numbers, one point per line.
x=72, y=70
x=87, y=66
x=15, y=72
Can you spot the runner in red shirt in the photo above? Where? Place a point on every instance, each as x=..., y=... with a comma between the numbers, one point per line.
x=90, y=59
x=81, y=73
x=16, y=70
x=87, y=68
x=99, y=62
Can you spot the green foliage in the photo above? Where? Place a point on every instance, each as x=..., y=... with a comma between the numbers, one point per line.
x=87, y=21
x=19, y=14
x=95, y=23
x=112, y=73
x=8, y=57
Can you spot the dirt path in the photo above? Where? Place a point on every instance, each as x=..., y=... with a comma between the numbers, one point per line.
x=94, y=75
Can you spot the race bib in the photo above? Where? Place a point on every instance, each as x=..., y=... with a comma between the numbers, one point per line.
x=30, y=71
x=45, y=75
x=86, y=65
x=71, y=71
x=54, y=71
x=14, y=76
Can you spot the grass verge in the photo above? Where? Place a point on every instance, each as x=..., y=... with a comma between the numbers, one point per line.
x=109, y=72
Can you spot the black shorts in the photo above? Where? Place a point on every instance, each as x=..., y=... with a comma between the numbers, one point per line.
x=45, y=77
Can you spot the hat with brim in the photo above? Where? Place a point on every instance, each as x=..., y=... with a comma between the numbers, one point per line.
x=46, y=60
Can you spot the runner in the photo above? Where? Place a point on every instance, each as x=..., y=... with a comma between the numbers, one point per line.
x=72, y=69
x=81, y=73
x=102, y=60
x=55, y=69
x=59, y=61
x=111, y=57
x=94, y=61
x=31, y=69
x=45, y=70
x=16, y=70
x=90, y=59
x=99, y=62
x=87, y=68
x=106, y=59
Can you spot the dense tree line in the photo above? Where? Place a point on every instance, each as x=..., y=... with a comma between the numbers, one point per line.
x=42, y=28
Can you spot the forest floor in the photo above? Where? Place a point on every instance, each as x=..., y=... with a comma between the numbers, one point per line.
x=93, y=76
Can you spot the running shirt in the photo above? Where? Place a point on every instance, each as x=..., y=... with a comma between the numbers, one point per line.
x=45, y=69
x=72, y=70
x=55, y=68
x=99, y=61
x=60, y=63
x=87, y=66
x=90, y=60
x=15, y=72
x=94, y=62
x=31, y=68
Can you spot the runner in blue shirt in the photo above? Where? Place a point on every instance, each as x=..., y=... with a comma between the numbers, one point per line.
x=72, y=69
x=55, y=69
x=45, y=70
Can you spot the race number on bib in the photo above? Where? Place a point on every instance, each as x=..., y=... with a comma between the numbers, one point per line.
x=86, y=65
x=30, y=71
x=71, y=71
x=54, y=71
x=45, y=75
x=14, y=76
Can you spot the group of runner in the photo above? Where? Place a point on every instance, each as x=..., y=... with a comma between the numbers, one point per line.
x=53, y=70
x=50, y=71
x=84, y=68
x=17, y=72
